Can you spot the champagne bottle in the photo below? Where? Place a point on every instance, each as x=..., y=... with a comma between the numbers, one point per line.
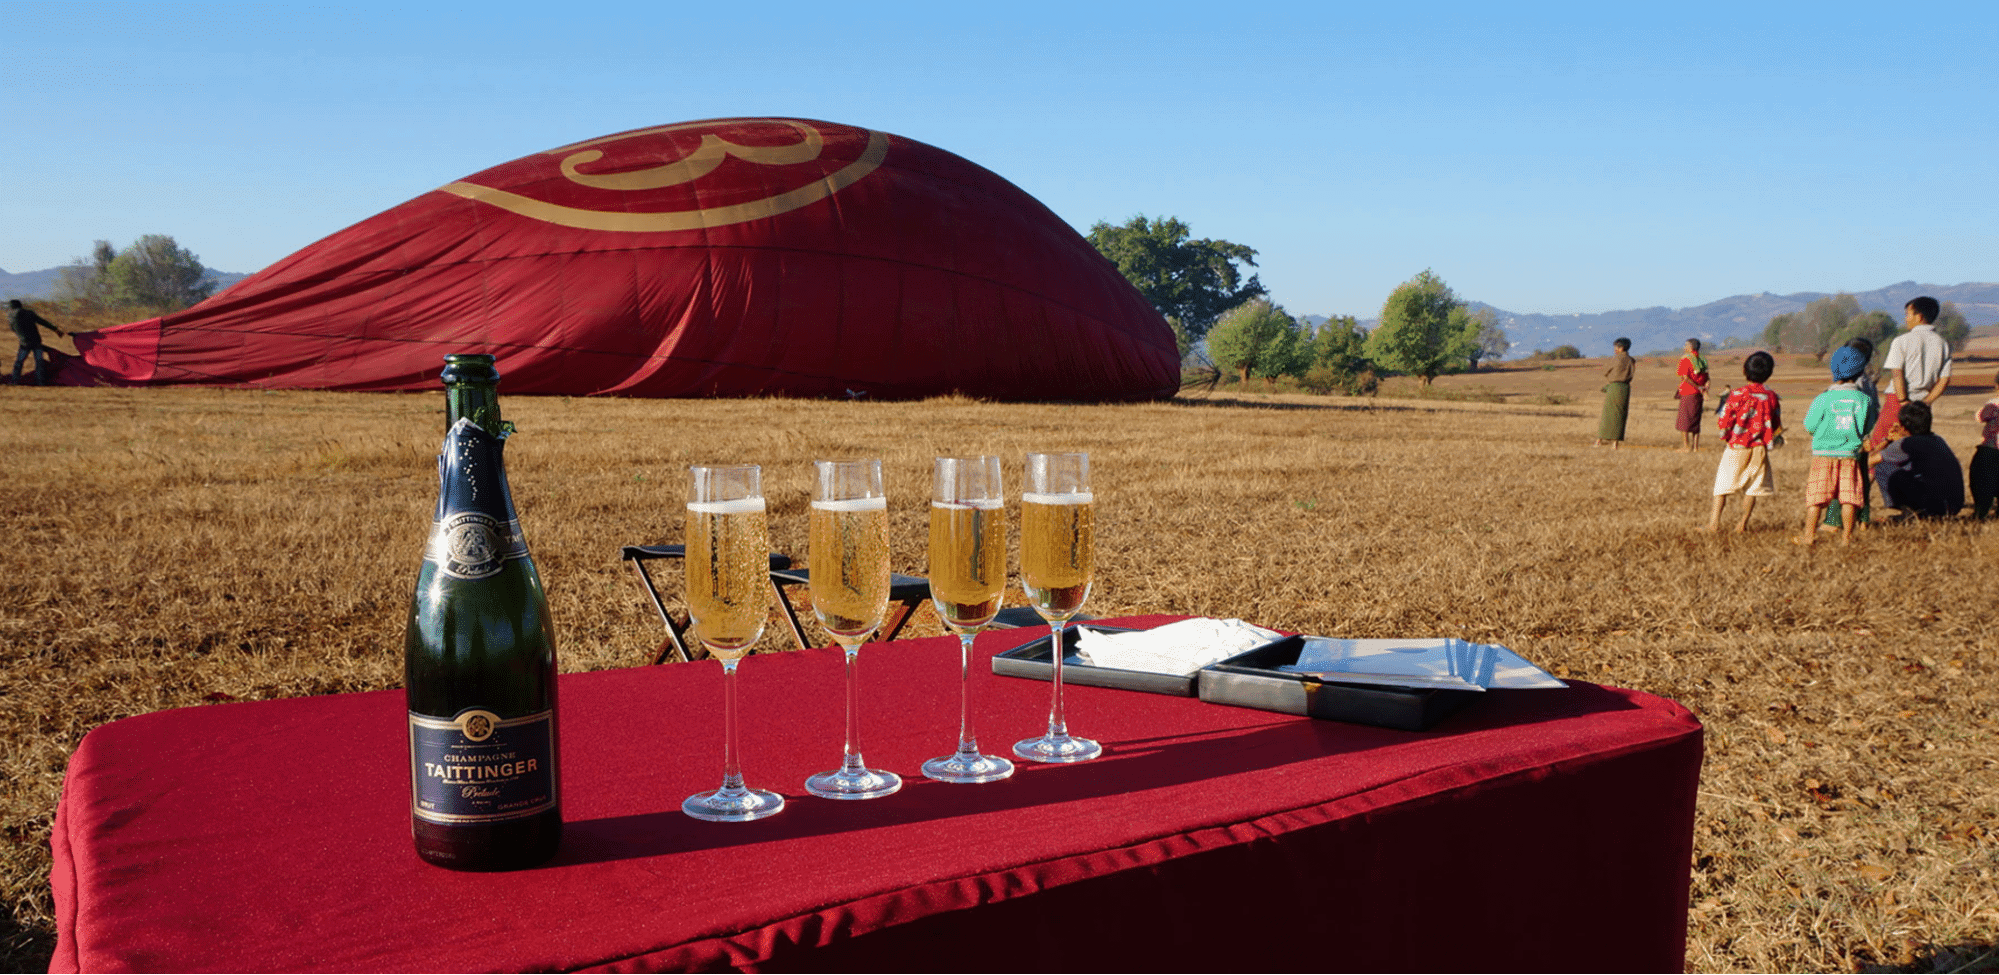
x=479, y=656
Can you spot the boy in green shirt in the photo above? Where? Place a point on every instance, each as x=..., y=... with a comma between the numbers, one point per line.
x=1838, y=421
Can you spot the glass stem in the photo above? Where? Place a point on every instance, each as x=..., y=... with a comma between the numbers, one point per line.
x=852, y=763
x=1058, y=727
x=732, y=771
x=968, y=743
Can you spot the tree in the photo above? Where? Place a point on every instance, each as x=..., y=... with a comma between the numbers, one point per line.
x=1952, y=326
x=1773, y=333
x=1814, y=328
x=1255, y=337
x=1191, y=282
x=1341, y=344
x=1289, y=355
x=1874, y=326
x=1488, y=340
x=88, y=280
x=1423, y=329
x=1339, y=359
x=156, y=272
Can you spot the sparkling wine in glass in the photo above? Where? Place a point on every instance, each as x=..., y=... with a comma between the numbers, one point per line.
x=967, y=583
x=1057, y=555
x=850, y=582
x=728, y=599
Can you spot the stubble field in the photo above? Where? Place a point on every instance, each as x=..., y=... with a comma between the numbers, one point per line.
x=166, y=548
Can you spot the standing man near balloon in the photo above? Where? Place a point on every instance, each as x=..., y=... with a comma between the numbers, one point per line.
x=27, y=326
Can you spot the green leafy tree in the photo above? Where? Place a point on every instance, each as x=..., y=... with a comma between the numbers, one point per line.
x=1874, y=326
x=1341, y=344
x=156, y=272
x=1255, y=337
x=1289, y=355
x=1191, y=281
x=1482, y=331
x=1339, y=359
x=1423, y=329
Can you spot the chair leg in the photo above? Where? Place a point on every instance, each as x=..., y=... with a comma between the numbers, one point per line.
x=676, y=636
x=893, y=627
x=667, y=649
x=790, y=616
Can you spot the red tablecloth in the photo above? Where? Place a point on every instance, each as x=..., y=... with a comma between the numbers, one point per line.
x=1544, y=830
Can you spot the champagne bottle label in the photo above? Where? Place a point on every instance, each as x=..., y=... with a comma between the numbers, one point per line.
x=478, y=768
x=475, y=533
x=474, y=545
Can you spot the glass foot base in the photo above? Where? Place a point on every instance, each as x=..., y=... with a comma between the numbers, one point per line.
x=733, y=805
x=968, y=768
x=1057, y=748
x=865, y=783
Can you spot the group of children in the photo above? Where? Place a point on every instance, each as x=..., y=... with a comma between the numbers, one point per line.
x=1862, y=438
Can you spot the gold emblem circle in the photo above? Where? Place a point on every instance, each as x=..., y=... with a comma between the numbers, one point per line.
x=478, y=725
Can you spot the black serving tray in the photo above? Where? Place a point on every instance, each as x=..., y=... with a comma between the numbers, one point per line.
x=1250, y=680
x=1031, y=660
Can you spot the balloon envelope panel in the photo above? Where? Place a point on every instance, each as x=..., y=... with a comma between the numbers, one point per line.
x=732, y=257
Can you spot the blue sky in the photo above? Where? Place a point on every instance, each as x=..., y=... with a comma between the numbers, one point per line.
x=1546, y=158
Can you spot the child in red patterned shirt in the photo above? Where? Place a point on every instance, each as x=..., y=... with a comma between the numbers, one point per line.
x=1750, y=419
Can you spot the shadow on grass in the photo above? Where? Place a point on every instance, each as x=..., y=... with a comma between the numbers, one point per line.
x=24, y=948
x=1945, y=958
x=1369, y=404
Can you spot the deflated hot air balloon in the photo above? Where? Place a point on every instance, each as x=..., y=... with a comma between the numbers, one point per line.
x=731, y=257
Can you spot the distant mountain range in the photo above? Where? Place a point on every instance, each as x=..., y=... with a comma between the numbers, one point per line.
x=41, y=284
x=1741, y=317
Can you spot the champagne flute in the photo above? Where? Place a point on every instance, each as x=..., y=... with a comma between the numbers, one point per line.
x=728, y=586
x=849, y=580
x=967, y=583
x=1057, y=554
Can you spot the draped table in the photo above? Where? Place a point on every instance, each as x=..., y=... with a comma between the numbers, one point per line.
x=1542, y=830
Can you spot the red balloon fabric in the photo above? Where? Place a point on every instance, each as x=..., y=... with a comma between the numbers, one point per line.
x=730, y=257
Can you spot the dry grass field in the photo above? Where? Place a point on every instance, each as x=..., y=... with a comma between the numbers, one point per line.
x=165, y=548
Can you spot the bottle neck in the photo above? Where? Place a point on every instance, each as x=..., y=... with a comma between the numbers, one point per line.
x=478, y=402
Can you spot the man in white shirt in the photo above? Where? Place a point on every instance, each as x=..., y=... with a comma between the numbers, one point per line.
x=1918, y=364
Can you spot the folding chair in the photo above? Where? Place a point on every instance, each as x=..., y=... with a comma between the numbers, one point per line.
x=905, y=594
x=676, y=641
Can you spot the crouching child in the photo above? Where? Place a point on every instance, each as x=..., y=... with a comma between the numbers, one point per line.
x=1918, y=474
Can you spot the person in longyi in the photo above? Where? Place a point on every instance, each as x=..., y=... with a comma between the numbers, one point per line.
x=1692, y=395
x=1616, y=395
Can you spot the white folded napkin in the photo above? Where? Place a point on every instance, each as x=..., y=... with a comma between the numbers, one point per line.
x=1176, y=648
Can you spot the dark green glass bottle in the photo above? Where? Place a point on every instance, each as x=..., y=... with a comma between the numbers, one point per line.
x=479, y=656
